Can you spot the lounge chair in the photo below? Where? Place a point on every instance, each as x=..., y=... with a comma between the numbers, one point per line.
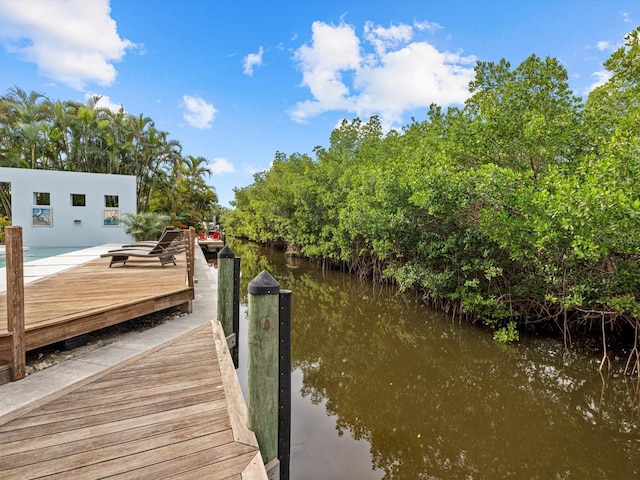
x=165, y=250
x=169, y=232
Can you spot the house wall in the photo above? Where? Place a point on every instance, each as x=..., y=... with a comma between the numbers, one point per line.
x=68, y=225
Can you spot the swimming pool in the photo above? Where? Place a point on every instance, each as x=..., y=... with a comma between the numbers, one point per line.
x=36, y=253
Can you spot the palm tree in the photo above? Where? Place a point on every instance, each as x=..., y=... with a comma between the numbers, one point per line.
x=38, y=133
x=199, y=198
x=25, y=116
x=61, y=133
x=33, y=135
x=27, y=107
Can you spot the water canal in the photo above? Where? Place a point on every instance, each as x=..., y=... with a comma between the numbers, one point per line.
x=385, y=388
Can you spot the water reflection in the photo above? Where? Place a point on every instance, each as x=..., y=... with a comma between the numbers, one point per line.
x=436, y=399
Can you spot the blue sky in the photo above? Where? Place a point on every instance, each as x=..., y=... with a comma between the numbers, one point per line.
x=237, y=81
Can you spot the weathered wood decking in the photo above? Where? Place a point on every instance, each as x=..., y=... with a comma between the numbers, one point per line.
x=173, y=411
x=166, y=413
x=92, y=296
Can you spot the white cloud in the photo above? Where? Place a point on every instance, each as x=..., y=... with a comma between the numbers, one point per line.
x=432, y=27
x=603, y=45
x=198, y=113
x=399, y=74
x=221, y=165
x=413, y=77
x=383, y=38
x=251, y=170
x=334, y=49
x=602, y=77
x=252, y=60
x=70, y=41
x=104, y=102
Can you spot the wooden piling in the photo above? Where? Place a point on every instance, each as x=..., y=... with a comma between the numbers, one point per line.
x=15, y=300
x=189, y=237
x=191, y=255
x=225, y=289
x=262, y=364
x=235, y=350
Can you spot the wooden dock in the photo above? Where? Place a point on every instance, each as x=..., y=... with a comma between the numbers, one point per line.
x=93, y=296
x=211, y=244
x=174, y=410
x=166, y=413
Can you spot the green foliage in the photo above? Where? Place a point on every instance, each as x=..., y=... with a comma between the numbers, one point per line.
x=522, y=204
x=4, y=222
x=507, y=334
x=145, y=226
x=184, y=193
x=36, y=132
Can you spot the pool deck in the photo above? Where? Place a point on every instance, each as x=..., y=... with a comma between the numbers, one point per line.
x=136, y=408
x=43, y=267
x=73, y=294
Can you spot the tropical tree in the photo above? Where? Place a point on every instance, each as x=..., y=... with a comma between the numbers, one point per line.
x=184, y=193
x=38, y=133
x=520, y=206
x=146, y=225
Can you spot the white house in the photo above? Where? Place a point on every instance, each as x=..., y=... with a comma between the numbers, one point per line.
x=69, y=209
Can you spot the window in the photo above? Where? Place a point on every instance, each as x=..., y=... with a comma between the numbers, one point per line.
x=78, y=200
x=111, y=201
x=41, y=198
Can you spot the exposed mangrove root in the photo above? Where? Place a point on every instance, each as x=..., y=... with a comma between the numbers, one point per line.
x=605, y=354
x=530, y=313
x=634, y=355
x=566, y=333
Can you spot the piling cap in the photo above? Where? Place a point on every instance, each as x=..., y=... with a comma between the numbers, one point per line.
x=226, y=252
x=264, y=284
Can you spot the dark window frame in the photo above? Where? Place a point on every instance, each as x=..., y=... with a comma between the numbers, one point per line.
x=111, y=201
x=78, y=200
x=42, y=199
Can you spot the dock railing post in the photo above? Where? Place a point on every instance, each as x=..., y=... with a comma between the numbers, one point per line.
x=191, y=254
x=284, y=403
x=15, y=301
x=262, y=367
x=189, y=239
x=225, y=290
x=235, y=354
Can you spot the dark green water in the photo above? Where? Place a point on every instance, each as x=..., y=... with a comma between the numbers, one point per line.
x=384, y=387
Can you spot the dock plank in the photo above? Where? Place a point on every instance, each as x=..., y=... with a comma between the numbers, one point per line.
x=125, y=423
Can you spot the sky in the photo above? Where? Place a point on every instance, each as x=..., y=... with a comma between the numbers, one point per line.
x=235, y=81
